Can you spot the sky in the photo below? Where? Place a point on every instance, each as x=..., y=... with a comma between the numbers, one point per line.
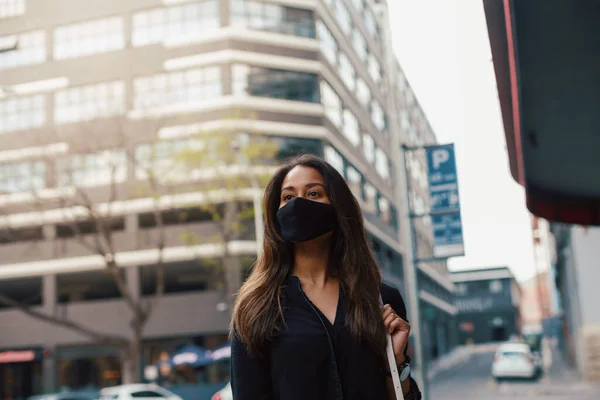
x=443, y=48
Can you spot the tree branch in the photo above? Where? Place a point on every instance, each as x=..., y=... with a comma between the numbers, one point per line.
x=98, y=337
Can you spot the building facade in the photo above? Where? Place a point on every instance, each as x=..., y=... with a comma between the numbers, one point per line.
x=78, y=78
x=576, y=277
x=488, y=302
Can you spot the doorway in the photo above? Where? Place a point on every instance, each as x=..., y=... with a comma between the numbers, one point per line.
x=499, y=334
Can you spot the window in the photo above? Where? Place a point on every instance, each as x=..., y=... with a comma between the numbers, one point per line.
x=382, y=164
x=89, y=37
x=93, y=169
x=335, y=159
x=147, y=394
x=274, y=83
x=272, y=17
x=332, y=104
x=371, y=23
x=461, y=288
x=495, y=286
x=343, y=17
x=158, y=25
x=374, y=68
x=351, y=129
x=363, y=94
x=359, y=44
x=163, y=159
x=20, y=113
x=85, y=103
x=384, y=210
x=11, y=8
x=347, y=72
x=354, y=181
x=377, y=115
x=358, y=4
x=329, y=46
x=370, y=198
x=22, y=176
x=177, y=88
x=29, y=49
x=369, y=148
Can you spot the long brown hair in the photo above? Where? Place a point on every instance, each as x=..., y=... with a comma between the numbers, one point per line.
x=258, y=312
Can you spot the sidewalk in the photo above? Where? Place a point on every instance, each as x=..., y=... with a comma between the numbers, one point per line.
x=457, y=357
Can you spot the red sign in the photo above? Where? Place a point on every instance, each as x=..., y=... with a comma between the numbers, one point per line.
x=7, y=357
x=467, y=327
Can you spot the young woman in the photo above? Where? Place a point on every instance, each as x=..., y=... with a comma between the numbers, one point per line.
x=308, y=324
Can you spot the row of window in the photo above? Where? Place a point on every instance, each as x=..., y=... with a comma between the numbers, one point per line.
x=348, y=124
x=111, y=166
x=11, y=8
x=344, y=19
x=373, y=201
x=189, y=21
x=355, y=84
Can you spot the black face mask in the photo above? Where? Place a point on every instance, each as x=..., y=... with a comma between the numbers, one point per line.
x=301, y=220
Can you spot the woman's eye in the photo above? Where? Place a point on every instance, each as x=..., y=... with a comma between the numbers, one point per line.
x=313, y=194
x=287, y=197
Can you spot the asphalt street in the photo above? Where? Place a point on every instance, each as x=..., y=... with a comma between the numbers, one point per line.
x=473, y=380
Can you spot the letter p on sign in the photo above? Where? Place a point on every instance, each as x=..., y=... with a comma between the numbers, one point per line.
x=439, y=157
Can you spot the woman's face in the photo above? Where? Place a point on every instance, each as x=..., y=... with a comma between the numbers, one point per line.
x=303, y=182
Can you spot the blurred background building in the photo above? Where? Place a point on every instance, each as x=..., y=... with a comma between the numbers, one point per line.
x=91, y=89
x=488, y=303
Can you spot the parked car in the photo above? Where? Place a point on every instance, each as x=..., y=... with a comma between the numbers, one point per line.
x=514, y=360
x=137, y=392
x=224, y=394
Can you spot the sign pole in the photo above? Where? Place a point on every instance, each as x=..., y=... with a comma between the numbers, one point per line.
x=411, y=286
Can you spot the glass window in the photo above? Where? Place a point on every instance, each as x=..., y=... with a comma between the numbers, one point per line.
x=374, y=68
x=347, y=72
x=377, y=115
x=272, y=17
x=332, y=104
x=371, y=23
x=363, y=93
x=164, y=159
x=329, y=46
x=177, y=88
x=11, y=8
x=343, y=17
x=369, y=148
x=358, y=4
x=335, y=159
x=22, y=176
x=145, y=394
x=29, y=49
x=351, y=129
x=89, y=37
x=20, y=113
x=370, y=198
x=92, y=169
x=382, y=164
x=191, y=20
x=354, y=179
x=85, y=103
x=274, y=83
x=359, y=44
x=384, y=210
x=495, y=286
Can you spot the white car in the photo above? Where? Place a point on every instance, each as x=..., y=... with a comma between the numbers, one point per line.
x=137, y=392
x=224, y=394
x=514, y=360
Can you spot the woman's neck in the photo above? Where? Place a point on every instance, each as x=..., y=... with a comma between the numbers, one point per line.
x=311, y=262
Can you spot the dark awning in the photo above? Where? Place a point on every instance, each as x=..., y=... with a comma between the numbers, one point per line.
x=547, y=61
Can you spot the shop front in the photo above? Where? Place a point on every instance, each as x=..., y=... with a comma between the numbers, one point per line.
x=88, y=368
x=20, y=373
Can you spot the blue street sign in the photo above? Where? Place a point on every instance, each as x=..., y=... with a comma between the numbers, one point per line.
x=444, y=201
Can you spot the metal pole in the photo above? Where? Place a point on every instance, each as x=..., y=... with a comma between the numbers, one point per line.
x=258, y=213
x=412, y=287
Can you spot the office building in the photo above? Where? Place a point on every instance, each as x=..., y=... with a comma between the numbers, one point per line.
x=86, y=84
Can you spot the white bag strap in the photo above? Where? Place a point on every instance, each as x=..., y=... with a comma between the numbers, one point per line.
x=393, y=367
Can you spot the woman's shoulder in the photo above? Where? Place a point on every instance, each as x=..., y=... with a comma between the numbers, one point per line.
x=392, y=296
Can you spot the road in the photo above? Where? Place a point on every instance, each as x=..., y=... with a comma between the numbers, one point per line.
x=473, y=380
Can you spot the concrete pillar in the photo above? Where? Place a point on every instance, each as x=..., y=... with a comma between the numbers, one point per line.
x=49, y=301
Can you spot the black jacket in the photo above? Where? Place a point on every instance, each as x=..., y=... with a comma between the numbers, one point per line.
x=313, y=359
